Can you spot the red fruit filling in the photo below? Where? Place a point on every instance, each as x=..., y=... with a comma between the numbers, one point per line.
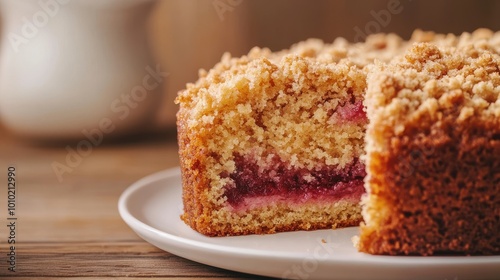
x=294, y=185
x=351, y=113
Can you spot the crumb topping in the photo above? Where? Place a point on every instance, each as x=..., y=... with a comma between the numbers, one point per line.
x=286, y=108
x=430, y=81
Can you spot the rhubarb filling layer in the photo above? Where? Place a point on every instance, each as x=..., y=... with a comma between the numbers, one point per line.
x=255, y=187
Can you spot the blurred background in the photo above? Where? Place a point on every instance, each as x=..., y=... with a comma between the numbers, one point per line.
x=70, y=67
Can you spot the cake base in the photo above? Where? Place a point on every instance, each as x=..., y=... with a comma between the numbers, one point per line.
x=278, y=218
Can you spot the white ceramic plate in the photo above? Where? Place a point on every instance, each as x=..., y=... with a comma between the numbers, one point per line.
x=151, y=207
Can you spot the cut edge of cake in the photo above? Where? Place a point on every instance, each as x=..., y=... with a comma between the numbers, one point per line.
x=257, y=148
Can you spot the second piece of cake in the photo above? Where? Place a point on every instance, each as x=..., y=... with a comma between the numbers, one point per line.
x=433, y=153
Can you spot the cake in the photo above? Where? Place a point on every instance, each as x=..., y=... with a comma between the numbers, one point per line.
x=275, y=141
x=272, y=146
x=433, y=153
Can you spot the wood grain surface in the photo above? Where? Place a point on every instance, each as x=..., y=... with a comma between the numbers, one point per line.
x=71, y=228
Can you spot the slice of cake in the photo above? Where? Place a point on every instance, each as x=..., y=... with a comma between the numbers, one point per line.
x=272, y=145
x=433, y=153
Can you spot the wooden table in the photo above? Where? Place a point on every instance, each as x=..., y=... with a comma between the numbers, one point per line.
x=71, y=228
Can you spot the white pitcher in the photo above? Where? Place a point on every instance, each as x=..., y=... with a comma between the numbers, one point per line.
x=73, y=67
